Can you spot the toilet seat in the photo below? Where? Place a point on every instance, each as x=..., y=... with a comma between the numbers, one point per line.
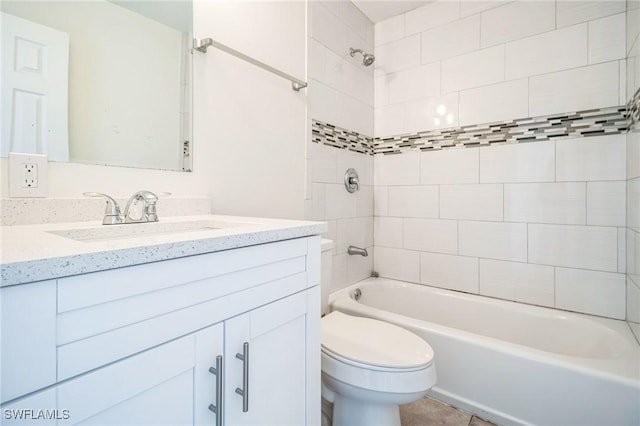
x=372, y=344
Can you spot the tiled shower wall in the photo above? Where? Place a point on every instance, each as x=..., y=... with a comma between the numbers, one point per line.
x=633, y=167
x=540, y=222
x=452, y=63
x=340, y=93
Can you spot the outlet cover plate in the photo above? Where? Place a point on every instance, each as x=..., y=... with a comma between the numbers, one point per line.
x=18, y=164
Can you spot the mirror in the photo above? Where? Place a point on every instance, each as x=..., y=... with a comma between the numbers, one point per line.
x=128, y=95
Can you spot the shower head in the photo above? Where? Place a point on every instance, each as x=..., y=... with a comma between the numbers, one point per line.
x=367, y=58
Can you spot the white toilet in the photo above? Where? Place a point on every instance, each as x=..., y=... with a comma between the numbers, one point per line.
x=369, y=367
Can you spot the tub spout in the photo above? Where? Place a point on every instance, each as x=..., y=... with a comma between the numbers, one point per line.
x=357, y=250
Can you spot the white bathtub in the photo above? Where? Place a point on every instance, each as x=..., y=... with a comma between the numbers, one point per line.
x=513, y=363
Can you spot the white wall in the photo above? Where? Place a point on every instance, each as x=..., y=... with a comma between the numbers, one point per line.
x=453, y=63
x=633, y=171
x=540, y=223
x=340, y=93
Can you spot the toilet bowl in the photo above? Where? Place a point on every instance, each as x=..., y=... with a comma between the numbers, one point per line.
x=369, y=367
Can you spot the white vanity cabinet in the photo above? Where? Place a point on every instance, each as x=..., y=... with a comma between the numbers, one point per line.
x=135, y=345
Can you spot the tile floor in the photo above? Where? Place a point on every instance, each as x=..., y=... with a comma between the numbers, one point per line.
x=429, y=412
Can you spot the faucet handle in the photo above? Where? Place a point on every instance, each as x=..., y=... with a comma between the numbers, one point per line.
x=111, y=211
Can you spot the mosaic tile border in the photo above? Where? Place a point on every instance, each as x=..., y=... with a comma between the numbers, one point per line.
x=337, y=137
x=594, y=122
x=633, y=110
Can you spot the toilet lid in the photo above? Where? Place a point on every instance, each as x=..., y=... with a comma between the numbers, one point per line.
x=373, y=342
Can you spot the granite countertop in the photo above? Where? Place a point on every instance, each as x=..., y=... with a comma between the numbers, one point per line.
x=41, y=252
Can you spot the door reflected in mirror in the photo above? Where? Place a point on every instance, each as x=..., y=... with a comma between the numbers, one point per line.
x=128, y=77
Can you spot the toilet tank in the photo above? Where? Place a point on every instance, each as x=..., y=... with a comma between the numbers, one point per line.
x=325, y=274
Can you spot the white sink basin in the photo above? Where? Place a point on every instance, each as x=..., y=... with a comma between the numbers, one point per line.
x=140, y=230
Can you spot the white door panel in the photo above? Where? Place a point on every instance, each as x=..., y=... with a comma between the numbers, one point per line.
x=35, y=69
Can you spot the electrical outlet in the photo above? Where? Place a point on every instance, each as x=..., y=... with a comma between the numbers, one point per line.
x=28, y=175
x=30, y=179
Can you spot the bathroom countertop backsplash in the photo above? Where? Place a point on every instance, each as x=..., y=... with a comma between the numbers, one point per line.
x=30, y=253
x=32, y=211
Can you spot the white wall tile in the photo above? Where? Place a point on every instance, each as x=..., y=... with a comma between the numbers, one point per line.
x=521, y=282
x=588, y=247
x=391, y=29
x=380, y=200
x=397, y=264
x=431, y=15
x=543, y=53
x=339, y=272
x=415, y=83
x=534, y=162
x=633, y=255
x=606, y=203
x=487, y=66
x=633, y=203
x=633, y=154
x=400, y=169
x=356, y=21
x=439, y=236
x=398, y=55
x=494, y=240
x=595, y=158
x=622, y=250
x=322, y=103
x=607, y=39
x=364, y=202
x=332, y=231
x=476, y=6
x=381, y=89
x=339, y=203
x=353, y=160
x=316, y=60
x=622, y=87
x=594, y=86
x=453, y=39
x=326, y=28
x=450, y=166
x=353, y=232
x=574, y=12
x=413, y=201
x=471, y=202
x=389, y=120
x=633, y=28
x=517, y=20
x=497, y=102
x=448, y=271
x=562, y=203
x=633, y=302
x=353, y=114
x=360, y=267
x=317, y=202
x=431, y=113
x=324, y=163
x=387, y=231
x=597, y=293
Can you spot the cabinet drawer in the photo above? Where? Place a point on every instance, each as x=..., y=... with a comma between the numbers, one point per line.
x=94, y=335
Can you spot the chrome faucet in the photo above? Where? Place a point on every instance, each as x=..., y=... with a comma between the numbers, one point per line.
x=149, y=214
x=352, y=250
x=113, y=216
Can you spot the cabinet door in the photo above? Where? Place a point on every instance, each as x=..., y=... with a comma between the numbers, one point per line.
x=154, y=387
x=208, y=392
x=274, y=391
